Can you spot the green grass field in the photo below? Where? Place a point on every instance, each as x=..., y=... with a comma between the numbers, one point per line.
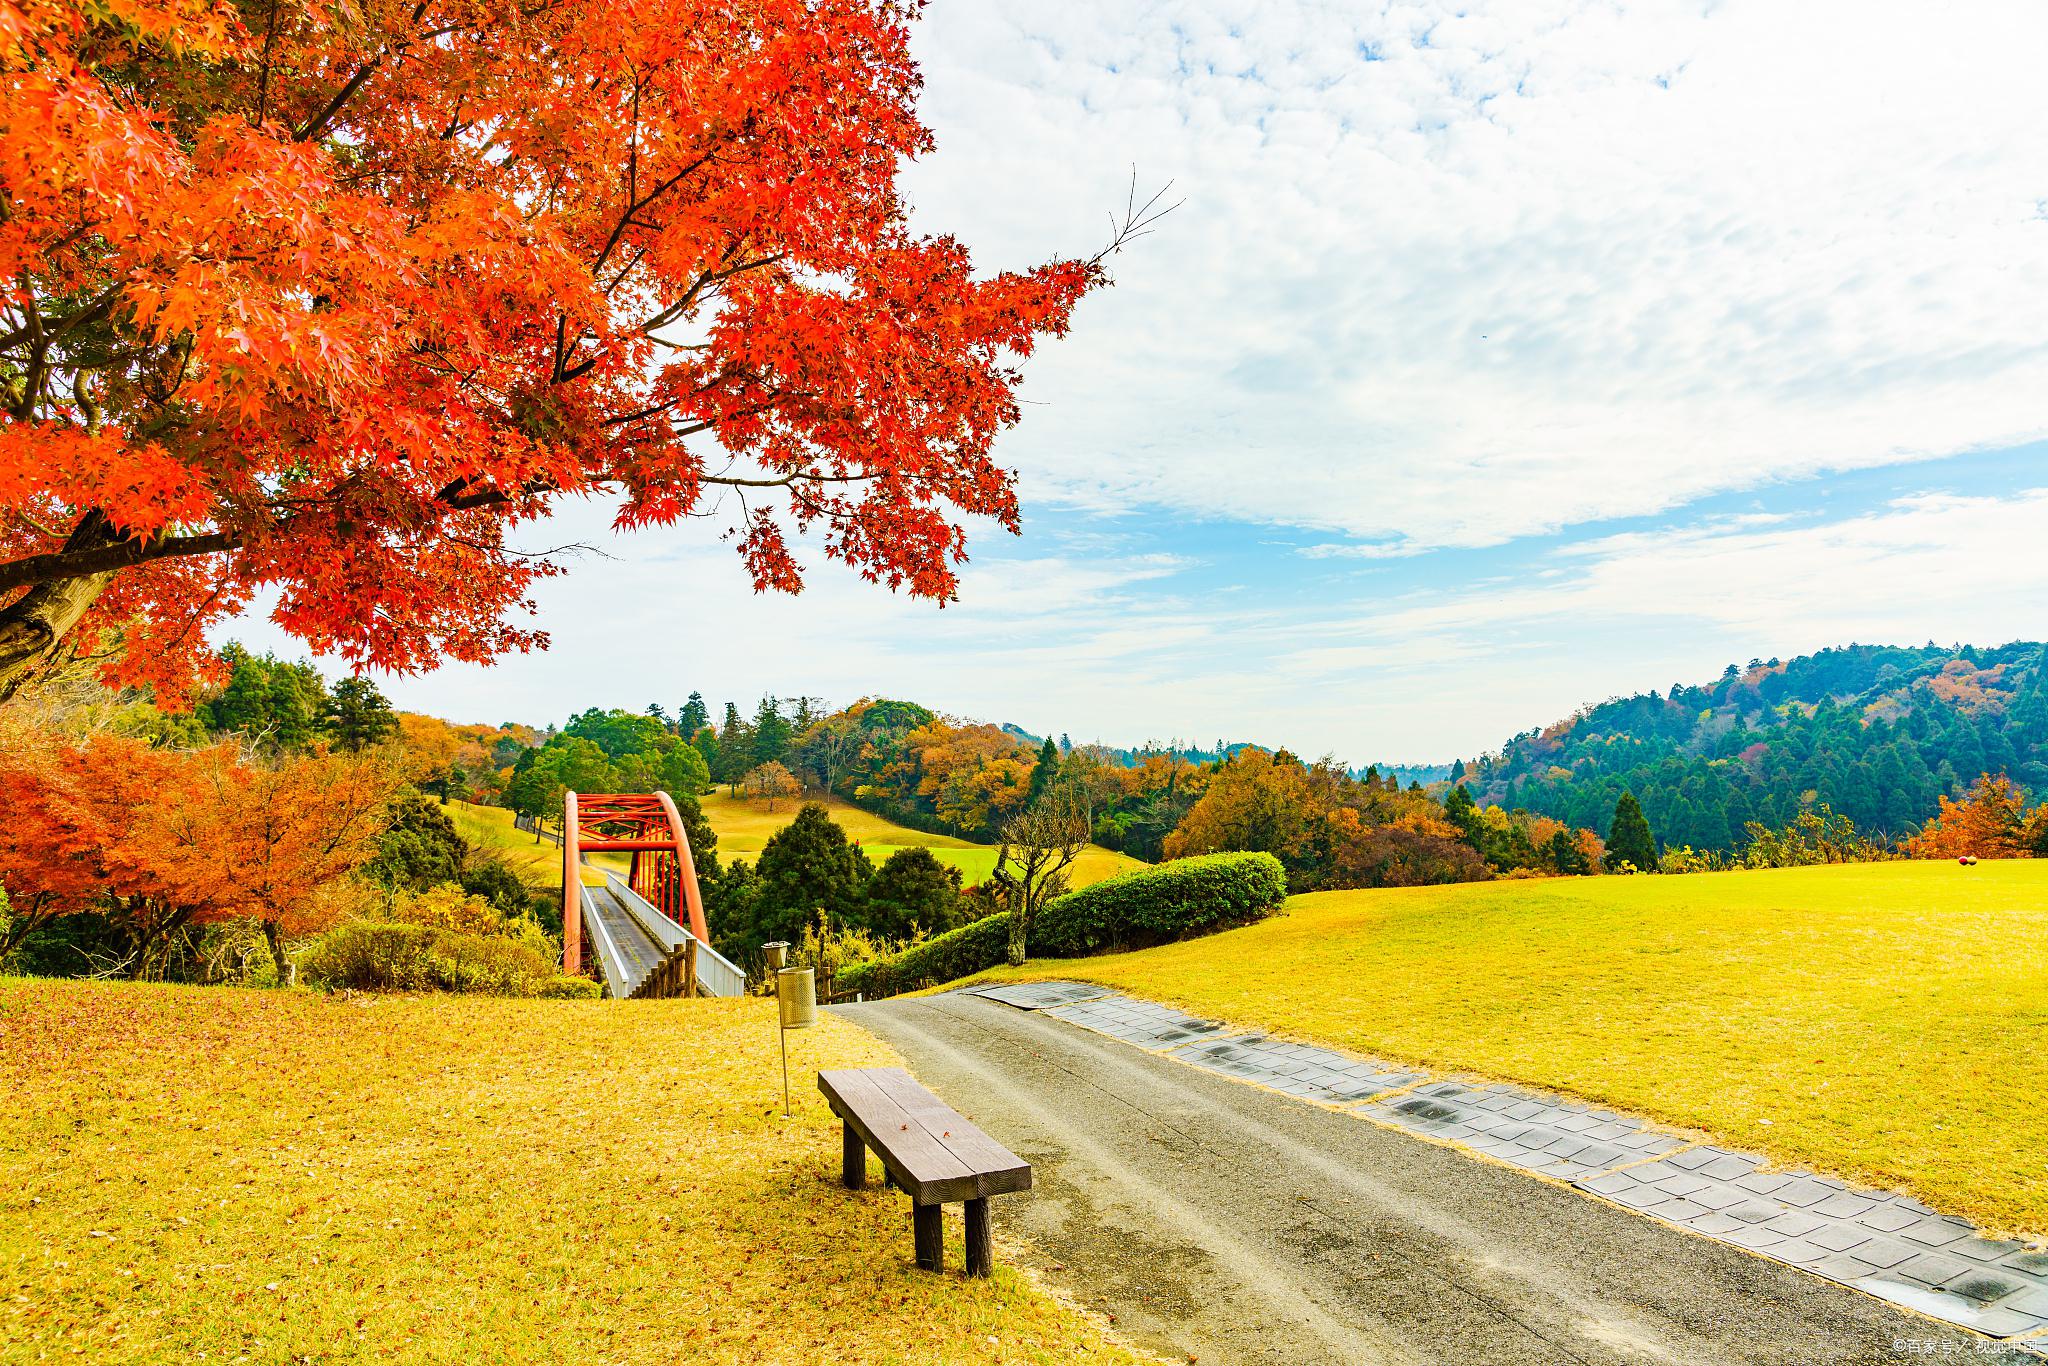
x=214, y=1174
x=1881, y=1021
x=744, y=827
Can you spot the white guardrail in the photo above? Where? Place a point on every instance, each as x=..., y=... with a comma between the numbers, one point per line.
x=718, y=975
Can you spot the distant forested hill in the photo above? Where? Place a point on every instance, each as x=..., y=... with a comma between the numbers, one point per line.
x=1877, y=732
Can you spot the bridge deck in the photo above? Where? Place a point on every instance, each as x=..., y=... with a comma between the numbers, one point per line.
x=632, y=940
x=626, y=952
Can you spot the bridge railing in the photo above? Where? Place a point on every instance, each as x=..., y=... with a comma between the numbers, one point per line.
x=718, y=975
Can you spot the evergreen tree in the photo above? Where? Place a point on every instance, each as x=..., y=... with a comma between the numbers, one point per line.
x=1043, y=772
x=809, y=870
x=772, y=734
x=912, y=891
x=693, y=717
x=1629, y=839
x=419, y=848
x=1460, y=810
x=1566, y=856
x=735, y=749
x=359, y=715
x=266, y=698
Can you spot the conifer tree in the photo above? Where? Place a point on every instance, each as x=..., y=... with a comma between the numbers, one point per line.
x=359, y=714
x=1630, y=840
x=693, y=717
x=1044, y=771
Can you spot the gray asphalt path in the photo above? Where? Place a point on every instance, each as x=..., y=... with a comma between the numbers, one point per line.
x=1223, y=1222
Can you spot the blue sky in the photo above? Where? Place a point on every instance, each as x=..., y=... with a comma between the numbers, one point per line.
x=1501, y=358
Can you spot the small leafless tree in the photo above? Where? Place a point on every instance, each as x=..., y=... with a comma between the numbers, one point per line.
x=1038, y=846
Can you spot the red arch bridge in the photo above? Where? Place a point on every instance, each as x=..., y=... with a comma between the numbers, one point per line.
x=642, y=935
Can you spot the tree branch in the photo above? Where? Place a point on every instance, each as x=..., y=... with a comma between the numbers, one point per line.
x=72, y=564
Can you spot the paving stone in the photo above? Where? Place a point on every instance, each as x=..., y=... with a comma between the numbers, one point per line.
x=1728, y=1166
x=1790, y=1224
x=1935, y=1232
x=2031, y=1301
x=1931, y=1268
x=1799, y=1252
x=1755, y=1238
x=1843, y=1206
x=1888, y=1217
x=1840, y=1238
x=1803, y=1191
x=1984, y=1249
x=1039, y=995
x=1649, y=1143
x=1982, y=1286
x=1882, y=1253
x=1891, y=1246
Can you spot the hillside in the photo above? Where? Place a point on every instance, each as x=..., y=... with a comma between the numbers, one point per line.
x=1876, y=732
x=743, y=827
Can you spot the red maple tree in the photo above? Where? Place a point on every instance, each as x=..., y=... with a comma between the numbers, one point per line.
x=163, y=839
x=331, y=299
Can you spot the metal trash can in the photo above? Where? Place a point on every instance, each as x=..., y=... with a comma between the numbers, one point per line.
x=796, y=992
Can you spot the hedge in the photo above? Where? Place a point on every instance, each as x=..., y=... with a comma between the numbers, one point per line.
x=379, y=956
x=1153, y=905
x=1147, y=906
x=970, y=949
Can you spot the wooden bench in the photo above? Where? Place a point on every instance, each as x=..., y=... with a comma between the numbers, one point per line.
x=928, y=1149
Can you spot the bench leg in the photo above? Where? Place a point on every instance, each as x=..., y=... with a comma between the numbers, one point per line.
x=853, y=1158
x=927, y=1224
x=980, y=1255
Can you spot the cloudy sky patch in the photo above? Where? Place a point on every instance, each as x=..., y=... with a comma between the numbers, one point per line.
x=1501, y=357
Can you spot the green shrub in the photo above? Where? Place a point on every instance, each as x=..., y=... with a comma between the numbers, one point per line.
x=956, y=953
x=1153, y=905
x=1147, y=906
x=380, y=956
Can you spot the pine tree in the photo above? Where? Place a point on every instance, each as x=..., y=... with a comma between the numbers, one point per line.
x=1460, y=810
x=1043, y=772
x=771, y=733
x=809, y=870
x=693, y=717
x=735, y=749
x=1629, y=840
x=359, y=714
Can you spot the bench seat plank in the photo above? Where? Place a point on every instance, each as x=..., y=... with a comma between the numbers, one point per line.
x=930, y=1150
x=916, y=1159
x=960, y=1135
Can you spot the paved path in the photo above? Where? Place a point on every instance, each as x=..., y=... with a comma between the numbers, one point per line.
x=1225, y=1222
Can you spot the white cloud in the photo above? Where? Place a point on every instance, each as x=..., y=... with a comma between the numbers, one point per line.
x=1528, y=267
x=1535, y=264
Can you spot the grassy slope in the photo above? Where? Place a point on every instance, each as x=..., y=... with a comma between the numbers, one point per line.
x=744, y=826
x=490, y=827
x=1887, y=1021
x=299, y=1177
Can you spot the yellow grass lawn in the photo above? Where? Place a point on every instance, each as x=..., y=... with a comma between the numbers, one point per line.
x=744, y=826
x=214, y=1174
x=1883, y=1021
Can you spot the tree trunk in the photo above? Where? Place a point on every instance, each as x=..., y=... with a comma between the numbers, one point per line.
x=1018, y=923
x=35, y=624
x=274, y=936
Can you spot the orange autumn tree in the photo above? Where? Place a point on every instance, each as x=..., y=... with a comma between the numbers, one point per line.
x=265, y=839
x=1992, y=821
x=331, y=301
x=162, y=840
